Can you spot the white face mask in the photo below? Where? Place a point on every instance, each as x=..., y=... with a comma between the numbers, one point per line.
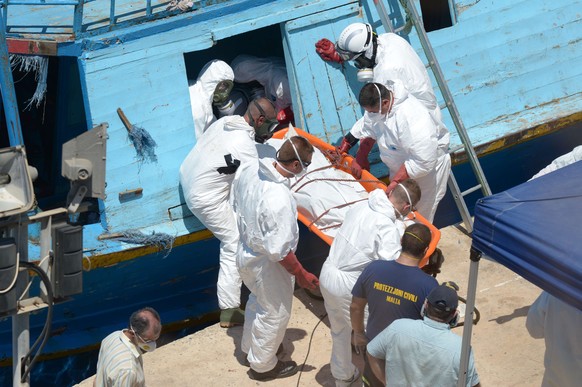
x=145, y=346
x=376, y=117
x=296, y=175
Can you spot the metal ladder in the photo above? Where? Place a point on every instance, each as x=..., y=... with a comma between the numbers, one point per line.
x=433, y=64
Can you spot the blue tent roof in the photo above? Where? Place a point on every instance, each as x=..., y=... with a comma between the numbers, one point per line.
x=534, y=230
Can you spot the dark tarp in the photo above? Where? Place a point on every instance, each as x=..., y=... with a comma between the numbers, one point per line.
x=535, y=230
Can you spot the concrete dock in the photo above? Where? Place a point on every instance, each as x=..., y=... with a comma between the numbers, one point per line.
x=505, y=354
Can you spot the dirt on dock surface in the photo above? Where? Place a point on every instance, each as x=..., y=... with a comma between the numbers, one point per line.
x=505, y=354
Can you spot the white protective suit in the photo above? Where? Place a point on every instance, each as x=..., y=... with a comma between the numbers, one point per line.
x=267, y=221
x=558, y=324
x=397, y=60
x=207, y=192
x=269, y=72
x=202, y=92
x=562, y=161
x=409, y=136
x=370, y=232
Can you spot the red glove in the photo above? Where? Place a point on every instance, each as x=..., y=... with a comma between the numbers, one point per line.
x=356, y=169
x=366, y=145
x=326, y=50
x=345, y=146
x=284, y=116
x=304, y=278
x=400, y=176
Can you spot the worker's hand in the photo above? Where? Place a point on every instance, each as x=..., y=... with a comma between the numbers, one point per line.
x=400, y=176
x=333, y=155
x=356, y=169
x=366, y=145
x=307, y=280
x=391, y=186
x=362, y=161
x=304, y=278
x=326, y=50
x=359, y=342
x=345, y=146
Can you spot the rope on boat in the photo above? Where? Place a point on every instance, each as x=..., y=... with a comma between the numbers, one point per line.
x=38, y=64
x=159, y=239
x=142, y=141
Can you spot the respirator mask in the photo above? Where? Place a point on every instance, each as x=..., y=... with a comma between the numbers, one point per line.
x=267, y=128
x=144, y=345
x=366, y=65
x=222, y=91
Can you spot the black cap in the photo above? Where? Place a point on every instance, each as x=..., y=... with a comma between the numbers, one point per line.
x=444, y=297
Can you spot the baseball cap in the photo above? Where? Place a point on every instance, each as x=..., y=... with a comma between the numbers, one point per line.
x=444, y=297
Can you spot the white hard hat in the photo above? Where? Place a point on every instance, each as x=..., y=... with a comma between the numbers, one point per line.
x=354, y=40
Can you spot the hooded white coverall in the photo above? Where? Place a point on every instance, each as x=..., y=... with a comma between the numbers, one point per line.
x=558, y=324
x=207, y=192
x=397, y=60
x=267, y=221
x=202, y=92
x=270, y=72
x=369, y=232
x=408, y=135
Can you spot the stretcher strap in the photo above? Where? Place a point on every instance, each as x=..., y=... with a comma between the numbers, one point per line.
x=336, y=207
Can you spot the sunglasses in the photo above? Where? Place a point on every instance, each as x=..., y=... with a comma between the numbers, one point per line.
x=142, y=339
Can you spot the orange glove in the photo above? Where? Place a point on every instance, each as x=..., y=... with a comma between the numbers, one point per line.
x=326, y=50
x=304, y=278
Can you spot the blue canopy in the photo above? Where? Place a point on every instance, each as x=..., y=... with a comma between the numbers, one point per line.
x=534, y=230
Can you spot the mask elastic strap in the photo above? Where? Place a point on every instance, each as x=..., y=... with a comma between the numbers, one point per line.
x=379, y=98
x=285, y=169
x=297, y=154
x=407, y=194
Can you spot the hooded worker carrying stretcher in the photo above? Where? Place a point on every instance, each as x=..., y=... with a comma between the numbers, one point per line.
x=410, y=143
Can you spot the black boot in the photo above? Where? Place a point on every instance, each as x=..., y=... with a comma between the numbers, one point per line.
x=283, y=369
x=246, y=363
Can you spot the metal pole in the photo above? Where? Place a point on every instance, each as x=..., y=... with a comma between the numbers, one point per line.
x=475, y=256
x=20, y=322
x=384, y=16
x=8, y=93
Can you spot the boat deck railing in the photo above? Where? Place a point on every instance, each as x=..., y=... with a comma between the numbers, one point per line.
x=72, y=19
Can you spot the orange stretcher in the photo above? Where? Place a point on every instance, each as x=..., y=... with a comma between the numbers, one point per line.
x=368, y=181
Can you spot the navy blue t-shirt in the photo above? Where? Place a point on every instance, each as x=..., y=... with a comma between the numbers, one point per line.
x=393, y=291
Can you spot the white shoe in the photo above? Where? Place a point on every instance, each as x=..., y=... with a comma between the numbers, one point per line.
x=353, y=381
